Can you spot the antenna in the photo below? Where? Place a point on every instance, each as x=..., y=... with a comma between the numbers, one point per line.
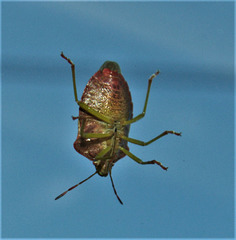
x=113, y=186
x=64, y=193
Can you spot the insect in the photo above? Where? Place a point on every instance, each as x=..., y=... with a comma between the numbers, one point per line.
x=105, y=115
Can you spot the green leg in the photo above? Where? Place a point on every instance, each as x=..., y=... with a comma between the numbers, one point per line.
x=103, y=153
x=138, y=160
x=97, y=135
x=138, y=142
x=100, y=155
x=141, y=115
x=81, y=104
x=93, y=135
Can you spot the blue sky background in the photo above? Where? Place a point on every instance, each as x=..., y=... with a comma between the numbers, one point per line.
x=193, y=46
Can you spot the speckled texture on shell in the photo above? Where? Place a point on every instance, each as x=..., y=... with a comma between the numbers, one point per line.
x=108, y=93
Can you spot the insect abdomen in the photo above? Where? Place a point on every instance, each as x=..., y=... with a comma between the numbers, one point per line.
x=108, y=93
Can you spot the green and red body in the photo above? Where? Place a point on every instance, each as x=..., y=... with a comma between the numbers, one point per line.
x=105, y=115
x=108, y=93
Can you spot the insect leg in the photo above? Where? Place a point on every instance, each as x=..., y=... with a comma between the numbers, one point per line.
x=141, y=143
x=73, y=74
x=141, y=115
x=138, y=160
x=81, y=104
x=96, y=135
x=93, y=135
x=94, y=112
x=103, y=153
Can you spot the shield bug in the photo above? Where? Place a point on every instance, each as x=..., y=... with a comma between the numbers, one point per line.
x=105, y=115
